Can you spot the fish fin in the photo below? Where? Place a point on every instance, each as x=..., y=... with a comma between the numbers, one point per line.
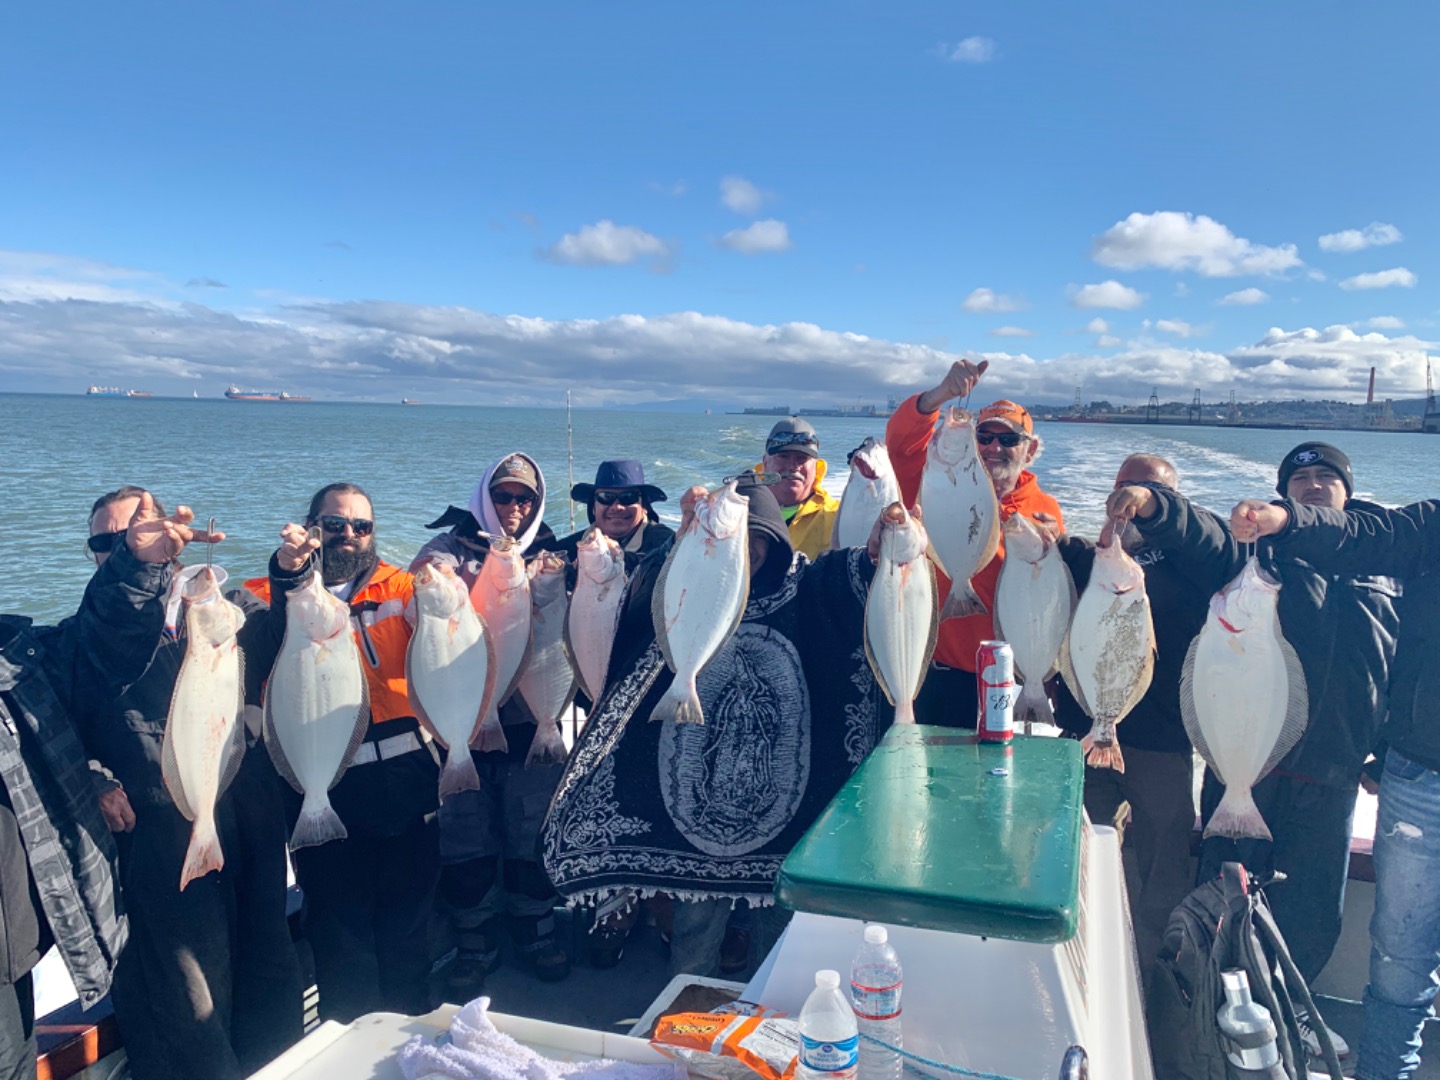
x=491, y=734
x=570, y=656
x=1297, y=707
x=870, y=658
x=657, y=607
x=488, y=696
x=203, y=854
x=235, y=751
x=318, y=824
x=962, y=601
x=1188, y=716
x=459, y=773
x=1034, y=705
x=272, y=744
x=548, y=745
x=170, y=774
x=1104, y=755
x=1237, y=816
x=1072, y=680
x=509, y=691
x=362, y=726
x=680, y=703
x=417, y=708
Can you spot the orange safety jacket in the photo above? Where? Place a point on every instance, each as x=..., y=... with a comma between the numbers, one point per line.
x=378, y=614
x=907, y=435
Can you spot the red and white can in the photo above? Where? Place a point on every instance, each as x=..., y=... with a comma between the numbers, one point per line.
x=996, y=691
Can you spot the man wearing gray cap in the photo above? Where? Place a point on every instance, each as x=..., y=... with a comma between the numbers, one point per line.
x=792, y=451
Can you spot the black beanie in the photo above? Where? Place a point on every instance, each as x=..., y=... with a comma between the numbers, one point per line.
x=1316, y=453
x=767, y=520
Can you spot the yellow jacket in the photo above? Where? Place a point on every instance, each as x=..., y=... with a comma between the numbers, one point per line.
x=814, y=521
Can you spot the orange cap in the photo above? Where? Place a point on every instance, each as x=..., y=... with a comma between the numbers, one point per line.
x=1008, y=413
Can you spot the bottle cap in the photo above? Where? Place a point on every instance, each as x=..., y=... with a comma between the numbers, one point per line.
x=875, y=934
x=827, y=979
x=1234, y=979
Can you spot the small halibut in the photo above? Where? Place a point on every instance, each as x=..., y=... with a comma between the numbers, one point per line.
x=700, y=596
x=869, y=490
x=501, y=594
x=1034, y=600
x=547, y=683
x=961, y=512
x=204, y=733
x=900, y=611
x=1243, y=697
x=595, y=609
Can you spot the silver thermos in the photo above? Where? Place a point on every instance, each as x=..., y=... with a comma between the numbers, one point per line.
x=1247, y=1032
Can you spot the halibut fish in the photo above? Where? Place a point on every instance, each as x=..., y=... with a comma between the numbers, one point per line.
x=1034, y=600
x=204, y=733
x=900, y=611
x=501, y=594
x=961, y=512
x=700, y=596
x=1109, y=656
x=1243, y=697
x=547, y=683
x=595, y=609
x=449, y=671
x=317, y=706
x=869, y=490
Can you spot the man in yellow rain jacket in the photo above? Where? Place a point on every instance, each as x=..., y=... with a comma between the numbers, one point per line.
x=792, y=451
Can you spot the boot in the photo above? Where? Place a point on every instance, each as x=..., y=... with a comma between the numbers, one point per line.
x=537, y=948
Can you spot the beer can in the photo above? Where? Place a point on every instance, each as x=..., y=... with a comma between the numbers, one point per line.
x=996, y=691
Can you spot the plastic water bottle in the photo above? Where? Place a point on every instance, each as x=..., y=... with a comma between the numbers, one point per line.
x=875, y=983
x=828, y=1038
x=1247, y=1031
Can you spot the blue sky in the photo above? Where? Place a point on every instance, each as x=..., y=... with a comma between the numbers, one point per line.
x=738, y=202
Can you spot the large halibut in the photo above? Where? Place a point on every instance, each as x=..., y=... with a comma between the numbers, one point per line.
x=501, y=594
x=900, y=611
x=594, y=613
x=961, y=512
x=547, y=683
x=1034, y=600
x=869, y=490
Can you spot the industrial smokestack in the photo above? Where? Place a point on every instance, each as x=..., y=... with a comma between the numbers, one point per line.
x=1370, y=397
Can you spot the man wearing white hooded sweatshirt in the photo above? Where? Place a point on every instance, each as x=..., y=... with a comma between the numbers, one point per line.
x=489, y=838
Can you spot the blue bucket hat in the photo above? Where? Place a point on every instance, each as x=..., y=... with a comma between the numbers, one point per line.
x=621, y=474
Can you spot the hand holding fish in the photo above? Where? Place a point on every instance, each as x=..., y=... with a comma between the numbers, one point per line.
x=1254, y=518
x=156, y=539
x=116, y=810
x=958, y=382
x=1129, y=502
x=687, y=507
x=1047, y=524
x=296, y=547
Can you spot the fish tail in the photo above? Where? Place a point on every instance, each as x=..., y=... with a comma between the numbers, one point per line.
x=548, y=747
x=904, y=711
x=1101, y=749
x=203, y=854
x=491, y=735
x=1035, y=706
x=318, y=824
x=459, y=773
x=681, y=704
x=1237, y=816
x=962, y=601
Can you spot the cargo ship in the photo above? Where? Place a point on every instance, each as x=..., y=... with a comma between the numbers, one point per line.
x=115, y=391
x=235, y=393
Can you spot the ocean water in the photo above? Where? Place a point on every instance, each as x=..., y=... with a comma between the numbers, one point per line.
x=254, y=465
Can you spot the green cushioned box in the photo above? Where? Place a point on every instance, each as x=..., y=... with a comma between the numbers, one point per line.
x=939, y=830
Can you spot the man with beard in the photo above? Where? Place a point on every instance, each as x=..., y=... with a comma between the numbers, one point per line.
x=621, y=505
x=1007, y=443
x=209, y=983
x=1344, y=629
x=368, y=897
x=488, y=837
x=792, y=453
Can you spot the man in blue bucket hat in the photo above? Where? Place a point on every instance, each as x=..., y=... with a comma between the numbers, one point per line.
x=621, y=505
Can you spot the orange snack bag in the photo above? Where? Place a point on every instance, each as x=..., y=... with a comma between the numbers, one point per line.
x=730, y=1047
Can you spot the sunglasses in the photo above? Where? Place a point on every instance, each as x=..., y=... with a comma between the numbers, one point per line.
x=624, y=498
x=334, y=523
x=1004, y=438
x=101, y=543
x=790, y=438
x=505, y=498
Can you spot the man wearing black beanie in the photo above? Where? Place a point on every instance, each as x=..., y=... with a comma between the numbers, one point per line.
x=1316, y=474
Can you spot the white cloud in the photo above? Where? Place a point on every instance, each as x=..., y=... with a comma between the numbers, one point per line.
x=38, y=275
x=1386, y=322
x=1106, y=341
x=1108, y=294
x=987, y=301
x=1376, y=234
x=1171, y=240
x=973, y=50
x=742, y=196
x=1381, y=279
x=1245, y=297
x=1097, y=325
x=758, y=237
x=1316, y=275
x=606, y=244
x=1011, y=331
x=1178, y=327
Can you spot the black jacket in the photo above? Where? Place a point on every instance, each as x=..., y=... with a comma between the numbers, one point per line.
x=1178, y=604
x=57, y=859
x=1406, y=544
x=1343, y=626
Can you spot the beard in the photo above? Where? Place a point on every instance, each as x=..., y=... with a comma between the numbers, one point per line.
x=340, y=566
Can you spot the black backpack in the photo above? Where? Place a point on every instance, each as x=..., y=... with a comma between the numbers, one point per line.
x=1223, y=924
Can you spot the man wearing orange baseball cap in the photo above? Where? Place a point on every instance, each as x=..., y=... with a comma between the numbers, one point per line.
x=1008, y=443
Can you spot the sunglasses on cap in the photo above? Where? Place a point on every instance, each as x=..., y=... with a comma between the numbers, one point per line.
x=1004, y=438
x=505, y=498
x=335, y=523
x=623, y=498
x=790, y=438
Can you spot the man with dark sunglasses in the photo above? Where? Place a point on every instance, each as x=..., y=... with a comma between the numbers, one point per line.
x=792, y=453
x=488, y=838
x=621, y=505
x=1008, y=444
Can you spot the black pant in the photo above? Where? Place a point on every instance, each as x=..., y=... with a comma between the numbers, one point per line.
x=948, y=698
x=17, y=1030
x=1310, y=824
x=209, y=983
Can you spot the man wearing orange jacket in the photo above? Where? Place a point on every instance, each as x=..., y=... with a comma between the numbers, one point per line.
x=1008, y=444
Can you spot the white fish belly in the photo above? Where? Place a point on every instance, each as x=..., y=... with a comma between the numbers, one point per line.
x=315, y=695
x=1032, y=611
x=704, y=588
x=594, y=614
x=548, y=681
x=202, y=723
x=961, y=517
x=899, y=615
x=1241, y=690
x=447, y=672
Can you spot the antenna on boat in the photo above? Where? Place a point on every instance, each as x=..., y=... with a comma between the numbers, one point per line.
x=570, y=454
